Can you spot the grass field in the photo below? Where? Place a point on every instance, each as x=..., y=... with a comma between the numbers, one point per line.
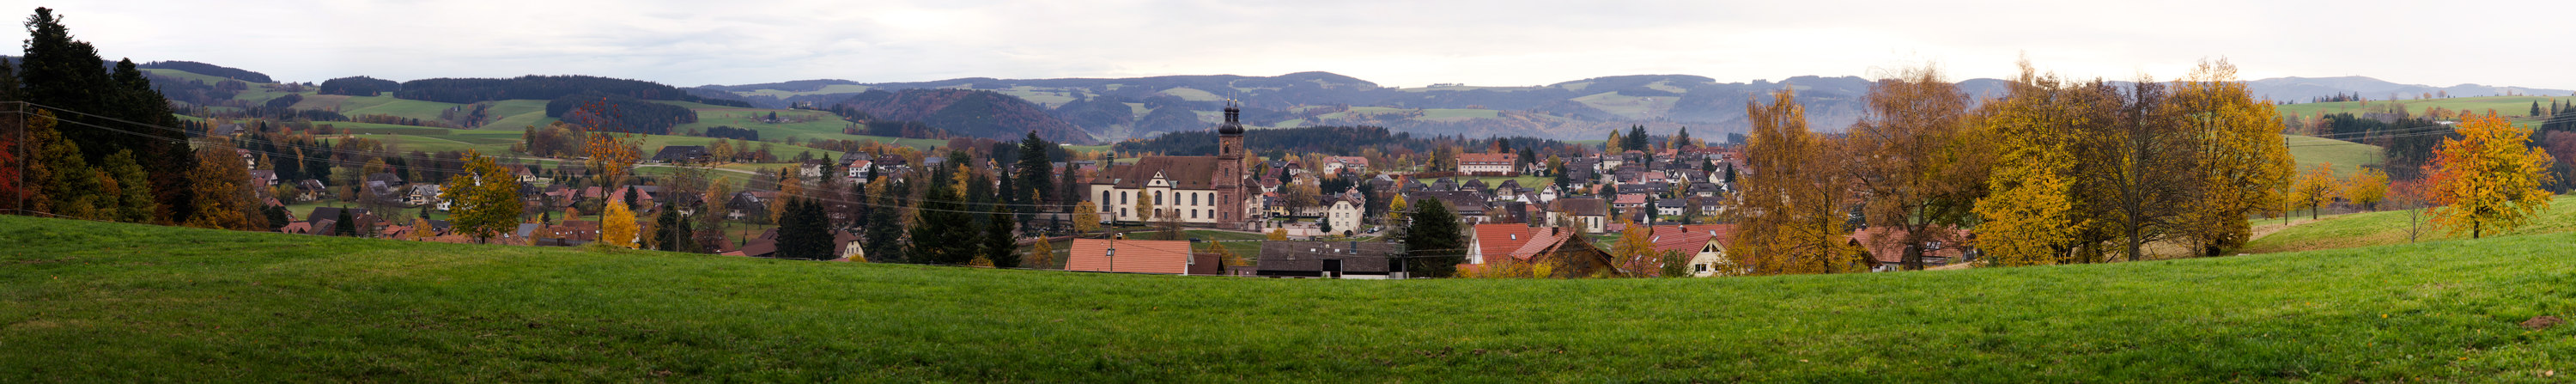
x=2390, y=227
x=2347, y=157
x=96, y=302
x=2504, y=105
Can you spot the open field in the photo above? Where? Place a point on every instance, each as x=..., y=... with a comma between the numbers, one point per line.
x=2391, y=227
x=122, y=303
x=2347, y=157
x=2503, y=105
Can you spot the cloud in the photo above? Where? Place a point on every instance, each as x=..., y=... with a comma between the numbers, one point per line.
x=1395, y=43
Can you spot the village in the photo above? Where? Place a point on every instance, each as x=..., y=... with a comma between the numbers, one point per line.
x=1511, y=211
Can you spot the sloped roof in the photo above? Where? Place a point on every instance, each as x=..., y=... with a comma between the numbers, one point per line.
x=1486, y=158
x=1688, y=238
x=1887, y=244
x=1309, y=256
x=1185, y=172
x=1581, y=206
x=1497, y=240
x=1134, y=256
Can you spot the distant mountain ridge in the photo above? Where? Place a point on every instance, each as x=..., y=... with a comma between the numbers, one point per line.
x=1110, y=109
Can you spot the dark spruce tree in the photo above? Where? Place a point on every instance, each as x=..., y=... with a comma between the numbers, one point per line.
x=885, y=227
x=804, y=232
x=946, y=232
x=671, y=233
x=345, y=225
x=999, y=245
x=1434, y=246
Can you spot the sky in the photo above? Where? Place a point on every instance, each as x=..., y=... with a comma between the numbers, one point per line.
x=1392, y=43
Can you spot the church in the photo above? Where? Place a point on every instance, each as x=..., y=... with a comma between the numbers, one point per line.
x=1207, y=191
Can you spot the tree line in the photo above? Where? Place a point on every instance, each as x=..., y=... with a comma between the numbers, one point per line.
x=535, y=87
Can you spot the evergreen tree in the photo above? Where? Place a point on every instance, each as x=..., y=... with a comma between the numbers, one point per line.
x=885, y=227
x=999, y=245
x=1435, y=245
x=804, y=232
x=346, y=225
x=945, y=232
x=1035, y=169
x=671, y=233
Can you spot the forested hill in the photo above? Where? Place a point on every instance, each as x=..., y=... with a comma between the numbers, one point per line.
x=966, y=112
x=467, y=90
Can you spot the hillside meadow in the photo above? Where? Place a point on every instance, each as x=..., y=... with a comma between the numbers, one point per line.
x=95, y=302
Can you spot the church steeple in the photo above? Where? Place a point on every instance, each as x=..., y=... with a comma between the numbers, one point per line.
x=1233, y=120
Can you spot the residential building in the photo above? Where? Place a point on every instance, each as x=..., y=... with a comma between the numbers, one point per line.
x=1489, y=164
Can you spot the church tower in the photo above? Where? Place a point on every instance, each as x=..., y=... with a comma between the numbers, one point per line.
x=1229, y=168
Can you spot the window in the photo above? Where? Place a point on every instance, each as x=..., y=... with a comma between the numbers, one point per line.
x=1194, y=199
x=1104, y=201
x=1699, y=267
x=1122, y=197
x=1194, y=213
x=1123, y=212
x=1158, y=197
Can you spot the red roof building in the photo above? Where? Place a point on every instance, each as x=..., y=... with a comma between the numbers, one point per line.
x=1131, y=256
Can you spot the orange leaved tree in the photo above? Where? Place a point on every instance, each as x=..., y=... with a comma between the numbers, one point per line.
x=2488, y=177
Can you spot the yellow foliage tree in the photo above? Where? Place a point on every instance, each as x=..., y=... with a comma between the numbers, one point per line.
x=1634, y=252
x=2028, y=218
x=617, y=226
x=2366, y=188
x=1791, y=214
x=2315, y=188
x=1041, y=254
x=1086, y=217
x=2244, y=163
x=2488, y=177
x=1279, y=234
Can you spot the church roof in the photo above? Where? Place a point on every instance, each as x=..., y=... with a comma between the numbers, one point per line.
x=1185, y=172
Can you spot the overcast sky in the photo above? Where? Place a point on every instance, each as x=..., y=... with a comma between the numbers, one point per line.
x=697, y=42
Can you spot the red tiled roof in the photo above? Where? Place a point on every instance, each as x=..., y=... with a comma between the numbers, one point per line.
x=1887, y=244
x=1688, y=238
x=1631, y=198
x=1486, y=158
x=1135, y=256
x=1497, y=240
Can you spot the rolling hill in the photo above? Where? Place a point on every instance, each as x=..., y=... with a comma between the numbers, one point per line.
x=91, y=301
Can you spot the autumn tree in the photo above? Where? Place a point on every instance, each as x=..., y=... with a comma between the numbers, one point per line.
x=2366, y=188
x=1918, y=158
x=2243, y=162
x=2489, y=176
x=1634, y=251
x=1086, y=217
x=612, y=156
x=2315, y=188
x=1041, y=255
x=2029, y=215
x=484, y=200
x=617, y=227
x=1792, y=212
x=223, y=200
x=1278, y=234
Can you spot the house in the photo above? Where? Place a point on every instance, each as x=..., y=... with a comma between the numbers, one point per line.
x=309, y=190
x=1886, y=247
x=388, y=178
x=1495, y=240
x=423, y=194
x=1471, y=206
x=1670, y=207
x=1629, y=201
x=1705, y=243
x=1565, y=252
x=1344, y=216
x=263, y=178
x=1590, y=214
x=364, y=219
x=858, y=169
x=1350, y=164
x=682, y=154
x=1171, y=257
x=1330, y=259
x=1489, y=164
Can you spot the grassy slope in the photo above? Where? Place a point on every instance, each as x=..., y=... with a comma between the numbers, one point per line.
x=2390, y=227
x=2347, y=157
x=2504, y=105
x=102, y=302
